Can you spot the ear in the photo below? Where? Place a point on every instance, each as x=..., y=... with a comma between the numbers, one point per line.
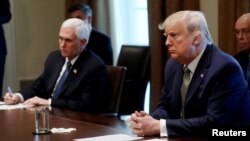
x=83, y=42
x=89, y=19
x=197, y=39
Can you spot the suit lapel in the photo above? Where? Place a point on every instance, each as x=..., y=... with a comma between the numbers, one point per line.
x=200, y=72
x=244, y=60
x=76, y=68
x=58, y=68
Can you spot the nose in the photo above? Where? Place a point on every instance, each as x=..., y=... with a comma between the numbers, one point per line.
x=62, y=43
x=239, y=35
x=168, y=42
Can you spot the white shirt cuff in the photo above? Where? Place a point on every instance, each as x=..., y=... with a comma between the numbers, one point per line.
x=49, y=100
x=20, y=96
x=163, y=128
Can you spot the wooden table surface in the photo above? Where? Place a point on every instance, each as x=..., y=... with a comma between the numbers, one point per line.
x=18, y=125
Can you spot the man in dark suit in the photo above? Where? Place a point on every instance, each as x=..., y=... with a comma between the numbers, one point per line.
x=216, y=94
x=242, y=28
x=86, y=82
x=99, y=43
x=5, y=16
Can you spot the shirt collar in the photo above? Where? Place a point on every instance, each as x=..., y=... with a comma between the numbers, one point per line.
x=192, y=66
x=72, y=61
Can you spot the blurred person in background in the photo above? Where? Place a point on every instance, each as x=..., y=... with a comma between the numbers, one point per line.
x=242, y=33
x=99, y=43
x=5, y=16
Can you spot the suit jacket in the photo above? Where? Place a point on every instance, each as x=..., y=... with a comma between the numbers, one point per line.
x=217, y=96
x=100, y=44
x=85, y=88
x=243, y=59
x=5, y=17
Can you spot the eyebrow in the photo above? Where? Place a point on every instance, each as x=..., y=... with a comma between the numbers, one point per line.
x=245, y=28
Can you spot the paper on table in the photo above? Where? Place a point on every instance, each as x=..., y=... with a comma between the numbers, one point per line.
x=116, y=137
x=62, y=130
x=16, y=106
x=163, y=139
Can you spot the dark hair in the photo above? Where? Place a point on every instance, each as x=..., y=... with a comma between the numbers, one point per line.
x=83, y=7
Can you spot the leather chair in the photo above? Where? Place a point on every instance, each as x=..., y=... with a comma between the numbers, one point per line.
x=137, y=61
x=116, y=75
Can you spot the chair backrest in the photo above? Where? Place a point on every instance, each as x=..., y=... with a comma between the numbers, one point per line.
x=137, y=61
x=116, y=75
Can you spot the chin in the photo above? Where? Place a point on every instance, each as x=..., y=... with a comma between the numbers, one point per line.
x=64, y=53
x=244, y=49
x=173, y=56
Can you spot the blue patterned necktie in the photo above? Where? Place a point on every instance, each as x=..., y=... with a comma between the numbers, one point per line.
x=184, y=87
x=61, y=81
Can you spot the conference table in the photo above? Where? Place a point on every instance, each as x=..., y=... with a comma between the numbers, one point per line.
x=18, y=124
